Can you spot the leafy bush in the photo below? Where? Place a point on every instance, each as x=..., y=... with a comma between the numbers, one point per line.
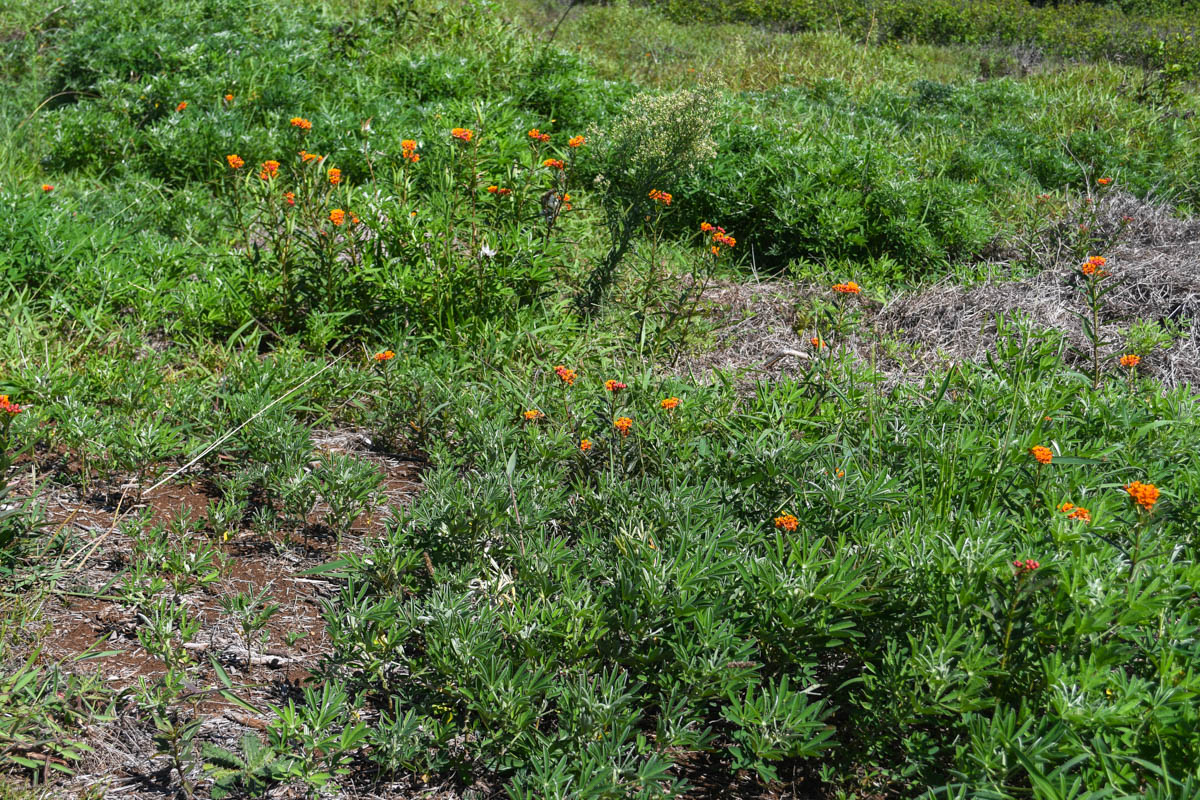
x=558, y=603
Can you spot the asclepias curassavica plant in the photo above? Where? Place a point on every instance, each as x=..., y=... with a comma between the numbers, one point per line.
x=9, y=514
x=443, y=245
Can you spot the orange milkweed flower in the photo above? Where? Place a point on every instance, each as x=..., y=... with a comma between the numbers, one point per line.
x=228, y=98
x=576, y=141
x=533, y=415
x=386, y=355
x=306, y=156
x=235, y=161
x=181, y=106
x=623, y=424
x=9, y=407
x=669, y=404
x=301, y=123
x=290, y=198
x=1104, y=181
x=553, y=163
x=706, y=227
x=47, y=187
x=849, y=287
x=462, y=134
x=1144, y=494
x=538, y=136
x=1042, y=454
x=716, y=251
x=614, y=386
x=337, y=216
x=493, y=189
x=269, y=170
x=787, y=522
x=335, y=176
x=816, y=342
x=1092, y=265
x=408, y=151
x=1130, y=360
x=1076, y=512
x=720, y=237
x=566, y=375
x=661, y=197
x=585, y=444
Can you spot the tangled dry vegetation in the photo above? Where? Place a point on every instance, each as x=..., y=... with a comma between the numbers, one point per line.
x=1154, y=265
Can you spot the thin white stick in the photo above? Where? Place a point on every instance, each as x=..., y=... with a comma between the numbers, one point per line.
x=203, y=453
x=261, y=411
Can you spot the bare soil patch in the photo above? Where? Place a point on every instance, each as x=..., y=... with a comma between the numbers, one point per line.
x=84, y=611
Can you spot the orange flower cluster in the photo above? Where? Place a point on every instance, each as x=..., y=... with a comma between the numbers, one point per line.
x=623, y=424
x=661, y=197
x=538, y=136
x=585, y=444
x=816, y=342
x=335, y=176
x=614, y=386
x=1104, y=181
x=235, y=161
x=1076, y=512
x=181, y=106
x=1130, y=360
x=706, y=227
x=1144, y=494
x=306, y=156
x=1093, y=267
x=533, y=415
x=337, y=216
x=499, y=190
x=1042, y=454
x=47, y=187
x=553, y=163
x=849, y=287
x=462, y=134
x=408, y=151
x=289, y=198
x=669, y=404
x=228, y=98
x=8, y=407
x=386, y=355
x=787, y=522
x=576, y=141
x=566, y=375
x=269, y=170
x=301, y=123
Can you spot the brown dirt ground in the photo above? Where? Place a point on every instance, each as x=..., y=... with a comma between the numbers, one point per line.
x=123, y=762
